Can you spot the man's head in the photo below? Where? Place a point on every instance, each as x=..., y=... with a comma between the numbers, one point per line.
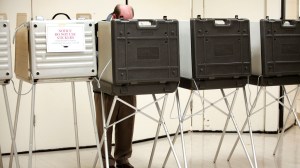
x=124, y=11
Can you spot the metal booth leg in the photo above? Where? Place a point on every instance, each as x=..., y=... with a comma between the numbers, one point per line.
x=97, y=155
x=93, y=111
x=156, y=135
x=161, y=114
x=158, y=130
x=105, y=126
x=295, y=97
x=236, y=126
x=181, y=118
x=11, y=126
x=230, y=115
x=223, y=134
x=104, y=135
x=246, y=121
x=291, y=110
x=75, y=124
x=32, y=123
x=11, y=158
x=250, y=127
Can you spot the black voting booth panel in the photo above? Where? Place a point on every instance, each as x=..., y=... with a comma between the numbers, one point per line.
x=220, y=48
x=144, y=56
x=220, y=53
x=280, y=47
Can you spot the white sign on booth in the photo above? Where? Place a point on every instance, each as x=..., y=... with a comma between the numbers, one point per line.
x=65, y=37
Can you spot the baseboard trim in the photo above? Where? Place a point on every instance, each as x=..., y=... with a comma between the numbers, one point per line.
x=144, y=140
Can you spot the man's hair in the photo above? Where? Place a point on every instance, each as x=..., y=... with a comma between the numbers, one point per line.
x=117, y=11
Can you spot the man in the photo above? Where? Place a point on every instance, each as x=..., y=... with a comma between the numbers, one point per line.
x=124, y=129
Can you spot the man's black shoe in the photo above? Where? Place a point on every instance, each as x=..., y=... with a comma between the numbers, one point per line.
x=127, y=165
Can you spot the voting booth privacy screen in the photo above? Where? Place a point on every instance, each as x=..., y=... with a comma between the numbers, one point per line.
x=275, y=47
x=140, y=54
x=5, y=53
x=140, y=51
x=59, y=49
x=280, y=47
x=212, y=48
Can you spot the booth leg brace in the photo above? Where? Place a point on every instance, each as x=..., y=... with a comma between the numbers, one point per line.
x=229, y=116
x=291, y=110
x=248, y=121
x=169, y=139
x=138, y=110
x=250, y=113
x=180, y=128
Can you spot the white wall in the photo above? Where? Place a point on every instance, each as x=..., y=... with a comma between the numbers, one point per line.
x=54, y=127
x=292, y=9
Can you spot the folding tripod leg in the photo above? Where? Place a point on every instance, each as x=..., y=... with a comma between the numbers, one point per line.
x=31, y=126
x=75, y=125
x=97, y=155
x=167, y=132
x=237, y=129
x=174, y=139
x=93, y=111
x=285, y=123
x=105, y=126
x=235, y=125
x=222, y=138
x=16, y=121
x=245, y=123
x=11, y=126
x=156, y=135
x=177, y=132
x=295, y=97
x=225, y=127
x=181, y=130
x=250, y=127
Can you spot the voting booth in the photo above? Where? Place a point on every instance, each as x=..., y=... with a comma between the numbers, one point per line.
x=280, y=45
x=52, y=50
x=5, y=76
x=275, y=52
x=215, y=48
x=138, y=56
x=5, y=50
x=215, y=53
x=275, y=62
x=58, y=49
